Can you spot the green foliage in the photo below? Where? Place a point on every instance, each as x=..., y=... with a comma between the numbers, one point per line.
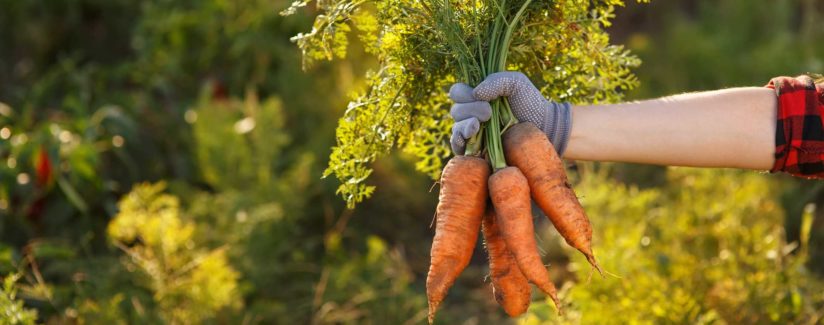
x=174, y=78
x=51, y=170
x=264, y=192
x=12, y=311
x=188, y=284
x=328, y=38
x=684, y=255
x=246, y=146
x=563, y=47
x=370, y=288
x=703, y=45
x=168, y=87
x=729, y=43
x=185, y=42
x=261, y=189
x=102, y=311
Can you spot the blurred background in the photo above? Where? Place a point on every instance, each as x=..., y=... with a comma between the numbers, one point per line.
x=160, y=162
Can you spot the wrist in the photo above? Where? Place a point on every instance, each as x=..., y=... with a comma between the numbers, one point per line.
x=557, y=125
x=580, y=140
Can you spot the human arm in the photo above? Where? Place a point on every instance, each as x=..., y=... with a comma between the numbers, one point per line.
x=723, y=128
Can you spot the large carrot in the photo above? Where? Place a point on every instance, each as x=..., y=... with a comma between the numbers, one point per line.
x=509, y=286
x=460, y=209
x=528, y=148
x=510, y=195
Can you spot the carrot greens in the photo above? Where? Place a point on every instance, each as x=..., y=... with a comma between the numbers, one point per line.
x=423, y=46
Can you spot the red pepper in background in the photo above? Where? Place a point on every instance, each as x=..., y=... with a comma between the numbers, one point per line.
x=219, y=90
x=44, y=177
x=43, y=168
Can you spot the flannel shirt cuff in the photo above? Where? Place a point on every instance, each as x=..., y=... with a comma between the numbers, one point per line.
x=799, y=134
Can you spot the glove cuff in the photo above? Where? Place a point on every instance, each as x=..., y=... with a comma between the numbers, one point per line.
x=557, y=125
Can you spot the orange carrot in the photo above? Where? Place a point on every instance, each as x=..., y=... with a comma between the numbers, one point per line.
x=509, y=286
x=509, y=190
x=529, y=149
x=461, y=205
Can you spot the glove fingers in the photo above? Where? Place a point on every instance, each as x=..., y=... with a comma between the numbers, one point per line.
x=461, y=131
x=480, y=110
x=498, y=84
x=458, y=143
x=467, y=128
x=461, y=93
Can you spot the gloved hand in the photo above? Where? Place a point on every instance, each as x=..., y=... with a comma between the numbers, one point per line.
x=528, y=105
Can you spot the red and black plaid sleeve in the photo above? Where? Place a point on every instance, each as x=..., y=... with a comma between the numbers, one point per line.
x=799, y=134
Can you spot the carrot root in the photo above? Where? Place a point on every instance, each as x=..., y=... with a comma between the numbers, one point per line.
x=528, y=148
x=594, y=264
x=509, y=285
x=462, y=200
x=509, y=190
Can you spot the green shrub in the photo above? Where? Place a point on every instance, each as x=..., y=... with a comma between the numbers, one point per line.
x=12, y=311
x=708, y=248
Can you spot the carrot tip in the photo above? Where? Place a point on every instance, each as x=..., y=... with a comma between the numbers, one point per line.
x=552, y=292
x=589, y=277
x=594, y=263
x=558, y=305
x=613, y=275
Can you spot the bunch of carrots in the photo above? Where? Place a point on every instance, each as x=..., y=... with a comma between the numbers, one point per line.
x=508, y=163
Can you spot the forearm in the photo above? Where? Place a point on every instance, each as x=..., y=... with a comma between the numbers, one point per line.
x=725, y=128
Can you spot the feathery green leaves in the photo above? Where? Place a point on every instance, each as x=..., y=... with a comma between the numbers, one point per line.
x=425, y=45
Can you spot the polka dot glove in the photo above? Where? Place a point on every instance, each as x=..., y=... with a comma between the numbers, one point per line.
x=528, y=104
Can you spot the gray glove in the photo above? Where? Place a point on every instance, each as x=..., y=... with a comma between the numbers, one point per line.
x=528, y=105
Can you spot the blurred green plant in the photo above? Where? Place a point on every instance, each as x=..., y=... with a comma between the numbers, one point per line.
x=372, y=287
x=188, y=284
x=53, y=169
x=704, y=44
x=238, y=144
x=262, y=190
x=12, y=311
x=709, y=248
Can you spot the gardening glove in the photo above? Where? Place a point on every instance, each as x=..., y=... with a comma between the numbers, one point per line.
x=526, y=101
x=468, y=114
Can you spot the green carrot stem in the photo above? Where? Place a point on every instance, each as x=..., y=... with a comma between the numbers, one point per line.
x=501, y=111
x=478, y=40
x=508, y=36
x=493, y=138
x=509, y=117
x=493, y=134
x=474, y=146
x=493, y=46
x=475, y=64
